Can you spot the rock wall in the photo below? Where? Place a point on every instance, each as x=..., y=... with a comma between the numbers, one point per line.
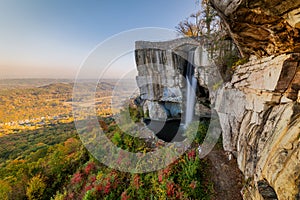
x=258, y=109
x=260, y=119
x=263, y=28
x=161, y=67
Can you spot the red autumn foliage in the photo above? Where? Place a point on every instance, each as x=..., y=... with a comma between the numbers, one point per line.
x=89, y=187
x=136, y=181
x=113, y=179
x=107, y=188
x=166, y=171
x=179, y=194
x=160, y=176
x=71, y=195
x=193, y=184
x=170, y=188
x=124, y=196
x=93, y=179
x=192, y=154
x=77, y=177
x=99, y=188
x=90, y=167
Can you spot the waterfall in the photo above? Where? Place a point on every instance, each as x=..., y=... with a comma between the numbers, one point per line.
x=191, y=84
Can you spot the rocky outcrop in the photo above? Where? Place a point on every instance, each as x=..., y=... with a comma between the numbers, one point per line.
x=259, y=108
x=263, y=28
x=161, y=67
x=260, y=119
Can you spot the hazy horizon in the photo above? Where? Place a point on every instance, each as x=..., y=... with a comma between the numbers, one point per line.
x=51, y=39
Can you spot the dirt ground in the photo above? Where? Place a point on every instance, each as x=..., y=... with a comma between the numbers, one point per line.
x=226, y=177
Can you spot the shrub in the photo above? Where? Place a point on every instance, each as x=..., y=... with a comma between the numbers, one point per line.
x=36, y=188
x=5, y=190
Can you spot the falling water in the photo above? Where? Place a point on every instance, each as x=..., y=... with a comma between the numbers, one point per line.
x=191, y=83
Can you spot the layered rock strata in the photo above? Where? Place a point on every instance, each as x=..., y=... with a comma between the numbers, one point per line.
x=263, y=28
x=161, y=67
x=260, y=119
x=259, y=107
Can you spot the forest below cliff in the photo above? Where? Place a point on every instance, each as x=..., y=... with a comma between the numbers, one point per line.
x=49, y=161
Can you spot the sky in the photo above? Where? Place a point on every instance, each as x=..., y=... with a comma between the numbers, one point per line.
x=53, y=38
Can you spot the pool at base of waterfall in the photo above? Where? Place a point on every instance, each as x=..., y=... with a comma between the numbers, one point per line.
x=171, y=130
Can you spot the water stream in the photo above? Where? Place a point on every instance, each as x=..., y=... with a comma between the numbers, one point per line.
x=191, y=84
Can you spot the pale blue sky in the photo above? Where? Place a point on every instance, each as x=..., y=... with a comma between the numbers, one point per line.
x=51, y=38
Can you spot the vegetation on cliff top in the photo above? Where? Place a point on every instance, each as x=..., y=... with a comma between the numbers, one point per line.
x=52, y=163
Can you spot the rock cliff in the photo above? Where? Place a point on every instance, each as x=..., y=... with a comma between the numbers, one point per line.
x=260, y=119
x=259, y=109
x=262, y=27
x=161, y=68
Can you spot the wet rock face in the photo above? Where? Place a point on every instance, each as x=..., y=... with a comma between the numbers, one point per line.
x=262, y=28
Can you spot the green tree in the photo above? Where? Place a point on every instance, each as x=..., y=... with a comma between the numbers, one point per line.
x=206, y=26
x=5, y=190
x=203, y=23
x=36, y=188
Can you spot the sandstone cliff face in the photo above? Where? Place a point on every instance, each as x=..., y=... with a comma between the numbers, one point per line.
x=259, y=108
x=260, y=119
x=262, y=28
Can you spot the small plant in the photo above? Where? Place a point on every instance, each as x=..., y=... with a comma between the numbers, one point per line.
x=88, y=195
x=217, y=85
x=196, y=131
x=240, y=62
x=60, y=196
